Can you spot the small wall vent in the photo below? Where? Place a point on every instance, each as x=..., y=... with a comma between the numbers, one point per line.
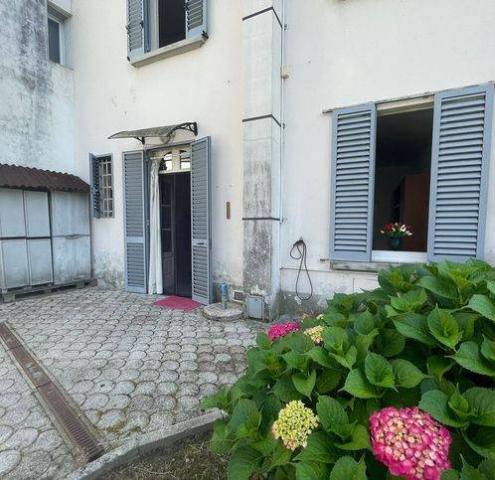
x=238, y=295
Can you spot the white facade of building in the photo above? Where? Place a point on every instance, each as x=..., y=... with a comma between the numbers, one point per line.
x=259, y=86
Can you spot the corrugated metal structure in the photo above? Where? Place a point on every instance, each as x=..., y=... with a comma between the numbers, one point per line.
x=44, y=229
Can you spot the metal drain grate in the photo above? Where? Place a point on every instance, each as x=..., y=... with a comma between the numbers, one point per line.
x=73, y=423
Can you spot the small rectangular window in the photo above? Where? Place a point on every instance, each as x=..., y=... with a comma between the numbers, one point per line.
x=54, y=40
x=102, y=186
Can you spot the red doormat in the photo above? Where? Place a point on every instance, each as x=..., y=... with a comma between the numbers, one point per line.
x=177, y=303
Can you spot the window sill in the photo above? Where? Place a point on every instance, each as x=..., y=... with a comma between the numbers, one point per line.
x=169, y=51
x=381, y=259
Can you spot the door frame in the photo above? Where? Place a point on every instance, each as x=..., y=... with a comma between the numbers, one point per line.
x=147, y=166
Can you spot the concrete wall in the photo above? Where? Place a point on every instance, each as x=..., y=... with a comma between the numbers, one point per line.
x=36, y=107
x=204, y=85
x=348, y=52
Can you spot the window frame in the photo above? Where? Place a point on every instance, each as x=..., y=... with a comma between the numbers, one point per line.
x=58, y=17
x=101, y=160
x=394, y=108
x=150, y=51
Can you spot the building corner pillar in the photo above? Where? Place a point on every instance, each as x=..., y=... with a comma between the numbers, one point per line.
x=262, y=132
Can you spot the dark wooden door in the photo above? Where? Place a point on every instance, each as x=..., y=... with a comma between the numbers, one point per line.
x=167, y=223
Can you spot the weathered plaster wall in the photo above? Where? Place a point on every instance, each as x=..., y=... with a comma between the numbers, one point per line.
x=355, y=51
x=36, y=107
x=203, y=85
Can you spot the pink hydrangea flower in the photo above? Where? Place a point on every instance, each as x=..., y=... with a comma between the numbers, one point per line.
x=410, y=443
x=282, y=329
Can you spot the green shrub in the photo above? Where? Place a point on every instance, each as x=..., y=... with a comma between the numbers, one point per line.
x=425, y=338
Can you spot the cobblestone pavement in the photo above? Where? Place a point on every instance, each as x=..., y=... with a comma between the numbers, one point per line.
x=130, y=367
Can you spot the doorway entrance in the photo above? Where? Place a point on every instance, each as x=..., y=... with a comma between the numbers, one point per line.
x=175, y=225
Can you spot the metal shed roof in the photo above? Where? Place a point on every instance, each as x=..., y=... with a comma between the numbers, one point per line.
x=14, y=176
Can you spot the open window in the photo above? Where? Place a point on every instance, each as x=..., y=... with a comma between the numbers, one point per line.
x=421, y=162
x=160, y=28
x=402, y=181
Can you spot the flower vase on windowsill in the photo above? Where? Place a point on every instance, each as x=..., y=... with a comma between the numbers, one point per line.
x=396, y=232
x=395, y=243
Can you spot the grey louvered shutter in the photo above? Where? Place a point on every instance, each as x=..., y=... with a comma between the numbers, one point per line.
x=95, y=185
x=459, y=176
x=353, y=176
x=135, y=226
x=196, y=18
x=135, y=28
x=200, y=219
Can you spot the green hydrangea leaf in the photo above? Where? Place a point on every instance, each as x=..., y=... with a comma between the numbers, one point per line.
x=379, y=371
x=406, y=374
x=471, y=473
x=356, y=384
x=481, y=440
x=304, y=383
x=467, y=323
x=296, y=361
x=438, y=366
x=263, y=341
x=335, y=340
x=318, y=450
x=414, y=325
x=450, y=475
x=285, y=391
x=364, y=323
x=346, y=468
x=390, y=342
x=460, y=406
x=320, y=356
x=245, y=418
x=436, y=403
x=359, y=439
x=488, y=349
x=439, y=287
x=411, y=301
x=331, y=413
x=469, y=357
x=220, y=441
x=483, y=305
x=482, y=404
x=218, y=400
x=244, y=462
x=280, y=456
x=444, y=328
x=328, y=380
x=311, y=471
x=487, y=467
x=347, y=359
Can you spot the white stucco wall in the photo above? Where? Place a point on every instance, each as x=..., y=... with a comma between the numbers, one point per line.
x=203, y=85
x=348, y=52
x=36, y=107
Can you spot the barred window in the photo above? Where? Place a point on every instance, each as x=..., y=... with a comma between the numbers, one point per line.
x=102, y=186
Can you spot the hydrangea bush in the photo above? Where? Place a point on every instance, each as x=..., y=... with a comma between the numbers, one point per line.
x=393, y=383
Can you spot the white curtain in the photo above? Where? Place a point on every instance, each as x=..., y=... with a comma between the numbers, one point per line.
x=155, y=281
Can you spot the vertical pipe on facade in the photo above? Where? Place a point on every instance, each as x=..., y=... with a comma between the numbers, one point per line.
x=282, y=136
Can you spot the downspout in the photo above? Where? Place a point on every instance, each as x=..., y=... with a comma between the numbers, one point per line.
x=282, y=140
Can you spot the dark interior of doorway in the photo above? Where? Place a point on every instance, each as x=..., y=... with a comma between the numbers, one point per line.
x=402, y=176
x=175, y=224
x=171, y=21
